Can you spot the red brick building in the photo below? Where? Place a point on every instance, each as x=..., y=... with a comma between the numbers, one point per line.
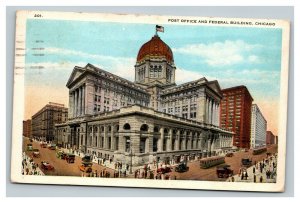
x=270, y=138
x=27, y=128
x=235, y=114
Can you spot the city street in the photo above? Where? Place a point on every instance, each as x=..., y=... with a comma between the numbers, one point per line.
x=62, y=168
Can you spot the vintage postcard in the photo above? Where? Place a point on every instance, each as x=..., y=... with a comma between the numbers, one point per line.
x=150, y=101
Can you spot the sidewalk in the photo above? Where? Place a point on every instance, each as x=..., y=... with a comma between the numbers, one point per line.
x=29, y=167
x=268, y=167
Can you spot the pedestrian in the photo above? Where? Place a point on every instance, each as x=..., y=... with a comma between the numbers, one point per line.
x=232, y=179
x=261, y=179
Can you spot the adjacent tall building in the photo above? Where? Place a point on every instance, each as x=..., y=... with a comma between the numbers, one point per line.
x=258, y=127
x=151, y=119
x=235, y=113
x=271, y=138
x=27, y=128
x=44, y=120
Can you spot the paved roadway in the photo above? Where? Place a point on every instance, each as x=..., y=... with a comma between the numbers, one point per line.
x=197, y=173
x=62, y=168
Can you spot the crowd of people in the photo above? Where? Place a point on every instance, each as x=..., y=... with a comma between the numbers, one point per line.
x=262, y=171
x=29, y=167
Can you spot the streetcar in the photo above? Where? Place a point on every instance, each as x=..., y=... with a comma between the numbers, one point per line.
x=211, y=161
x=259, y=150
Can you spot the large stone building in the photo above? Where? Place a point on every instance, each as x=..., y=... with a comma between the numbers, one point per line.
x=270, y=138
x=44, y=120
x=146, y=120
x=236, y=114
x=258, y=127
x=27, y=128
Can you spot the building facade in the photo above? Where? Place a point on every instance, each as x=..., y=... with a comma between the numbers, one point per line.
x=270, y=139
x=44, y=120
x=148, y=120
x=235, y=113
x=27, y=128
x=258, y=127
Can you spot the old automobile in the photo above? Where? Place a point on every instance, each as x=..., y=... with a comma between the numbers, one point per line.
x=224, y=171
x=86, y=167
x=229, y=154
x=29, y=147
x=36, y=153
x=52, y=146
x=46, y=166
x=246, y=162
x=182, y=167
x=87, y=158
x=164, y=170
x=70, y=158
x=61, y=154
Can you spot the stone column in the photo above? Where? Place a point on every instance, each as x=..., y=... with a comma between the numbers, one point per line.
x=121, y=143
x=194, y=141
x=209, y=147
x=206, y=110
x=160, y=140
x=176, y=147
x=112, y=144
x=135, y=142
x=184, y=140
x=71, y=104
x=83, y=100
x=105, y=138
x=75, y=106
x=169, y=140
x=150, y=143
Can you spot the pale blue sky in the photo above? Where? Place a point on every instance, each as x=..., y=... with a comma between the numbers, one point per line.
x=249, y=55
x=232, y=55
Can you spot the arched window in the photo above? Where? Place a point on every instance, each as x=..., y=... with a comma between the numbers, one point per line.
x=144, y=127
x=126, y=126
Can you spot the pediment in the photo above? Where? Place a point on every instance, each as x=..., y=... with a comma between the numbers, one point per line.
x=76, y=73
x=215, y=86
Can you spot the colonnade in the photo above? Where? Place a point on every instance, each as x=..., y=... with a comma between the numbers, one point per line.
x=77, y=102
x=212, y=111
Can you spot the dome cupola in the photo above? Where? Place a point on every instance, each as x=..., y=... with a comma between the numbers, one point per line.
x=155, y=49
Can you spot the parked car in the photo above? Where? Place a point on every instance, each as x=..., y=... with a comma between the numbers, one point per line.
x=46, y=166
x=164, y=170
x=36, y=153
x=87, y=158
x=223, y=171
x=43, y=145
x=246, y=162
x=86, y=168
x=52, y=146
x=70, y=158
x=29, y=147
x=30, y=140
x=61, y=155
x=229, y=154
x=182, y=167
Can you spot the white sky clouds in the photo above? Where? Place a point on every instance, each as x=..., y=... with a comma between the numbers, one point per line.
x=222, y=53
